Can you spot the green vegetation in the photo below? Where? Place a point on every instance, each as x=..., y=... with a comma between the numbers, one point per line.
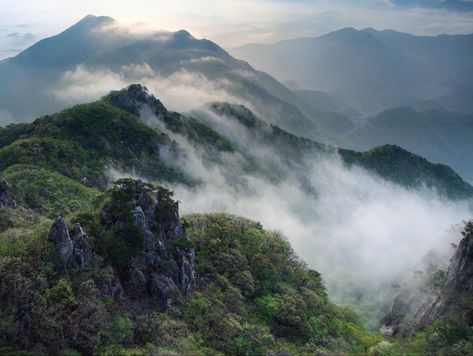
x=410, y=170
x=389, y=162
x=254, y=296
x=48, y=192
x=257, y=296
x=442, y=337
x=81, y=142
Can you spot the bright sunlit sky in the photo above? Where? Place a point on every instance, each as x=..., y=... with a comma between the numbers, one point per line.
x=234, y=23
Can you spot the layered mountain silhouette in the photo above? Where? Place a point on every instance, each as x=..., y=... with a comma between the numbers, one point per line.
x=99, y=43
x=131, y=131
x=383, y=68
x=373, y=70
x=414, y=91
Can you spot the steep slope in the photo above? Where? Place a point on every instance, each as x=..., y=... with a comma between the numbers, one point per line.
x=436, y=313
x=54, y=64
x=372, y=70
x=88, y=143
x=72, y=154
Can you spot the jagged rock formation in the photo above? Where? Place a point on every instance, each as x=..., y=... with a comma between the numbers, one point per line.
x=164, y=267
x=5, y=200
x=456, y=293
x=136, y=98
x=414, y=308
x=74, y=250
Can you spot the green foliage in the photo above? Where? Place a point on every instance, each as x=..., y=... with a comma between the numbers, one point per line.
x=410, y=170
x=285, y=309
x=81, y=142
x=60, y=295
x=442, y=337
x=121, y=332
x=48, y=192
x=255, y=296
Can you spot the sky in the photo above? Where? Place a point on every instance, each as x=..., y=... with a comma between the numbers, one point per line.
x=234, y=23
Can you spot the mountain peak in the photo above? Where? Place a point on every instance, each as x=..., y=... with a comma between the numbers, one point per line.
x=349, y=34
x=134, y=99
x=95, y=20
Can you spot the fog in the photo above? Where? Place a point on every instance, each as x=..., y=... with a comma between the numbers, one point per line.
x=360, y=231
x=180, y=91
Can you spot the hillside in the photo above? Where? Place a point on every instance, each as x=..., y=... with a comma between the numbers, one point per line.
x=432, y=312
x=128, y=276
x=121, y=272
x=68, y=153
x=388, y=161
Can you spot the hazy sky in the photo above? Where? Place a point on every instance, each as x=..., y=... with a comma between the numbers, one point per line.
x=233, y=23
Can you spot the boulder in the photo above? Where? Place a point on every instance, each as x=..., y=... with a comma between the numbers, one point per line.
x=73, y=248
x=164, y=270
x=5, y=200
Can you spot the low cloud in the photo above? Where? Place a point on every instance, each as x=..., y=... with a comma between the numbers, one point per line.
x=360, y=231
x=180, y=91
x=6, y=118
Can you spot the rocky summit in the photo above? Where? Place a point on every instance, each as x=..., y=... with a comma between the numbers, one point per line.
x=162, y=263
x=74, y=250
x=135, y=99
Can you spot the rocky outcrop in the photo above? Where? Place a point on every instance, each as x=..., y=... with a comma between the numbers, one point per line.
x=414, y=308
x=164, y=270
x=454, y=297
x=73, y=249
x=135, y=99
x=5, y=200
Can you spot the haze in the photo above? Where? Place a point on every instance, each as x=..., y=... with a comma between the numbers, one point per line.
x=230, y=23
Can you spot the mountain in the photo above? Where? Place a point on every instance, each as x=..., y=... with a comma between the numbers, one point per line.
x=50, y=75
x=130, y=276
x=435, y=133
x=373, y=70
x=388, y=161
x=71, y=154
x=121, y=271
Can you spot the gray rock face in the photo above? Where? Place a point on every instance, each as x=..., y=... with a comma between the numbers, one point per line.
x=135, y=98
x=165, y=270
x=414, y=309
x=73, y=249
x=5, y=200
x=458, y=285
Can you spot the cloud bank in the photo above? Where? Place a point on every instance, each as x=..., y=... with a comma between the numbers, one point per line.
x=360, y=231
x=181, y=91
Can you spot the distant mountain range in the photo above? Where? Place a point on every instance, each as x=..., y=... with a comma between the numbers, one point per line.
x=415, y=90
x=374, y=70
